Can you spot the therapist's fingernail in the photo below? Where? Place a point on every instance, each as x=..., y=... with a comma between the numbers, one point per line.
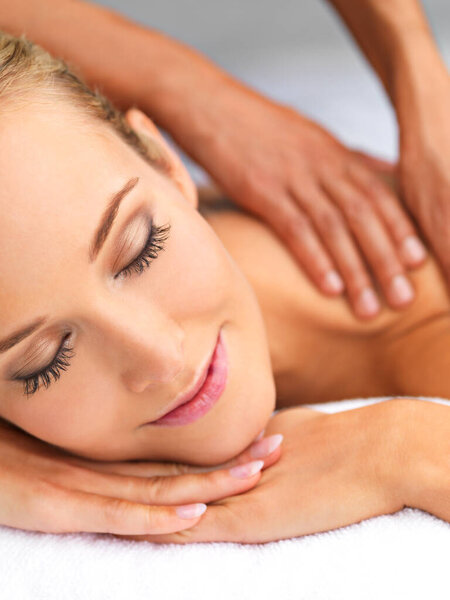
x=333, y=282
x=367, y=303
x=266, y=446
x=400, y=289
x=413, y=250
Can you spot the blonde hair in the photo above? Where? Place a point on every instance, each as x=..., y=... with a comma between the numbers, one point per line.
x=26, y=68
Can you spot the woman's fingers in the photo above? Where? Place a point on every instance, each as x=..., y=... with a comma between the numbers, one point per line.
x=224, y=523
x=267, y=449
x=59, y=510
x=80, y=500
x=48, y=490
x=137, y=468
x=178, y=489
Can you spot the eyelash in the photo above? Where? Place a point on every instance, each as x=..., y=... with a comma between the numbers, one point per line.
x=154, y=244
x=60, y=363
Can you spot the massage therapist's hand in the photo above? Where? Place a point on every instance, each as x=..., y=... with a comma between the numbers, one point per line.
x=425, y=161
x=324, y=201
x=338, y=469
x=45, y=489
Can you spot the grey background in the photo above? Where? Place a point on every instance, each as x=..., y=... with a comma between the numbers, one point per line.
x=296, y=52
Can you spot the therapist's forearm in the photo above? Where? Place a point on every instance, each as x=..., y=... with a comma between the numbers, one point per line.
x=397, y=41
x=131, y=64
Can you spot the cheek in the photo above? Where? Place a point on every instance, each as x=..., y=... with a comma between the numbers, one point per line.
x=84, y=416
x=196, y=276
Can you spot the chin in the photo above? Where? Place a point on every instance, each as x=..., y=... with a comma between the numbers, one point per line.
x=237, y=430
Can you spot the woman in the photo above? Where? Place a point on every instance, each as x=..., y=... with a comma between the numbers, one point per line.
x=119, y=300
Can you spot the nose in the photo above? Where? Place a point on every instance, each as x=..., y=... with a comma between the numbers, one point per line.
x=146, y=348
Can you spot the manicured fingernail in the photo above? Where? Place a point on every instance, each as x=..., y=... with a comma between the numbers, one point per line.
x=367, y=302
x=413, y=249
x=190, y=511
x=266, y=446
x=333, y=282
x=400, y=289
x=247, y=470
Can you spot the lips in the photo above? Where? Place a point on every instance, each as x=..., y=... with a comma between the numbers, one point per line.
x=194, y=389
x=204, y=394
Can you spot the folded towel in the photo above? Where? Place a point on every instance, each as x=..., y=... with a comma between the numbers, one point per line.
x=404, y=555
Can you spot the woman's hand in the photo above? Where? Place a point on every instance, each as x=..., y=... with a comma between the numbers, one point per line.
x=335, y=470
x=45, y=489
x=325, y=202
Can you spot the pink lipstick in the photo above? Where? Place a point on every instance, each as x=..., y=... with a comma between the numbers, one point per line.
x=208, y=394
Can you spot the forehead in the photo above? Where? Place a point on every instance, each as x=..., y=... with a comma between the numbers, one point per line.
x=57, y=171
x=48, y=158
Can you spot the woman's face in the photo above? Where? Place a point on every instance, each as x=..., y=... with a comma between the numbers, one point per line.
x=138, y=334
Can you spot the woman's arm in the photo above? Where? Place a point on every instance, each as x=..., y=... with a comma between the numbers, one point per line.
x=316, y=194
x=338, y=469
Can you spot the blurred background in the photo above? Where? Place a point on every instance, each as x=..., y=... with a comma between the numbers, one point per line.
x=295, y=51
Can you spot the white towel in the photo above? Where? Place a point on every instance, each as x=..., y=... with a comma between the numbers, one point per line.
x=401, y=556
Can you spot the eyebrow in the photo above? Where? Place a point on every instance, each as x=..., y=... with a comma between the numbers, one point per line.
x=100, y=236
x=108, y=217
x=21, y=334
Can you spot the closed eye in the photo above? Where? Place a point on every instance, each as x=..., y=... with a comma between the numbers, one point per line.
x=153, y=245
x=31, y=383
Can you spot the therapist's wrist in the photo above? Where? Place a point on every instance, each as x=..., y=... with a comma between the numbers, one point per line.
x=416, y=70
x=421, y=97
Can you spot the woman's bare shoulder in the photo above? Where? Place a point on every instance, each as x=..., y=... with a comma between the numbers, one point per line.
x=414, y=342
x=264, y=259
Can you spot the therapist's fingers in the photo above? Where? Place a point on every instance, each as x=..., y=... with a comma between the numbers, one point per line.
x=335, y=232
x=375, y=243
x=296, y=230
x=394, y=215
